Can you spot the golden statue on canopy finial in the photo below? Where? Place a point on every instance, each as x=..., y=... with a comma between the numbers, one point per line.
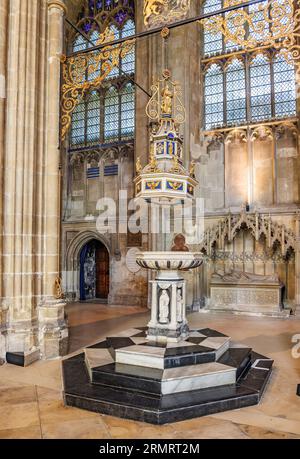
x=167, y=101
x=138, y=166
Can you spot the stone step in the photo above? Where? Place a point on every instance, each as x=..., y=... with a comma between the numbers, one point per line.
x=237, y=357
x=173, y=355
x=96, y=358
x=261, y=312
x=162, y=409
x=163, y=382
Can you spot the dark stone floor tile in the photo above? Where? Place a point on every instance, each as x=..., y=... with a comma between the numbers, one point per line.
x=265, y=364
x=102, y=345
x=195, y=340
x=119, y=342
x=211, y=333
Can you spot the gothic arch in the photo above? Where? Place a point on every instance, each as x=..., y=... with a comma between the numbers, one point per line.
x=73, y=257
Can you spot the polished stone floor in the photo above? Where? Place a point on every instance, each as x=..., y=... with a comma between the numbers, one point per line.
x=31, y=401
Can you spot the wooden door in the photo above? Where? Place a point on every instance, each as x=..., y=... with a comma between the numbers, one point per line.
x=102, y=271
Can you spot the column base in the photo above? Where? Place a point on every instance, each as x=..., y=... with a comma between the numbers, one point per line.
x=53, y=329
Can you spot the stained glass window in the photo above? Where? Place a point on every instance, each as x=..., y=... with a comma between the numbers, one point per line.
x=235, y=92
x=260, y=87
x=284, y=87
x=214, y=97
x=97, y=14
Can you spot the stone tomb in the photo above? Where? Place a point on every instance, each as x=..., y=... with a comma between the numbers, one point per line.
x=245, y=292
x=131, y=377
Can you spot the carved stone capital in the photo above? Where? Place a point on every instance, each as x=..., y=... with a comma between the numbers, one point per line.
x=58, y=4
x=236, y=135
x=286, y=128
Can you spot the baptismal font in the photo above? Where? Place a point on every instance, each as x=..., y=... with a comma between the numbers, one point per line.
x=165, y=180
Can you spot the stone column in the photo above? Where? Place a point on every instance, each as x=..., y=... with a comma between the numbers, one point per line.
x=3, y=49
x=52, y=333
x=30, y=188
x=19, y=161
x=154, y=304
x=297, y=265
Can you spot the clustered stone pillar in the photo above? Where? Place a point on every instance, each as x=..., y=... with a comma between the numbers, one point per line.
x=297, y=265
x=52, y=331
x=3, y=47
x=30, y=190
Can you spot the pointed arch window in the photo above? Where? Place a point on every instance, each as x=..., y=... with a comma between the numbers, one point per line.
x=107, y=114
x=214, y=100
x=235, y=92
x=260, y=87
x=256, y=85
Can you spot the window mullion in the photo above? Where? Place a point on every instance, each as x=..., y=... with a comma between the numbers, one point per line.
x=120, y=115
x=248, y=88
x=272, y=86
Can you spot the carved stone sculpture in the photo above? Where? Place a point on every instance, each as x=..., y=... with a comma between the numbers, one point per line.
x=164, y=303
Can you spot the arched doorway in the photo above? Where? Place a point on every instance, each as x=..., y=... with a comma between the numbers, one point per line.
x=94, y=271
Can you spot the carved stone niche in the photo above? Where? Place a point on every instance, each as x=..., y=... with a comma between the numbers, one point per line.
x=246, y=292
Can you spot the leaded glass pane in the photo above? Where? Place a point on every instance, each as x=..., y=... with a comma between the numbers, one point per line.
x=259, y=28
x=232, y=18
x=128, y=62
x=127, y=112
x=213, y=43
x=236, y=92
x=78, y=125
x=93, y=118
x=115, y=71
x=260, y=83
x=214, y=95
x=112, y=116
x=128, y=29
x=79, y=44
x=94, y=37
x=284, y=87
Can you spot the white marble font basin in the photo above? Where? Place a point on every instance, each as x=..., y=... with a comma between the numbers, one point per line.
x=169, y=261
